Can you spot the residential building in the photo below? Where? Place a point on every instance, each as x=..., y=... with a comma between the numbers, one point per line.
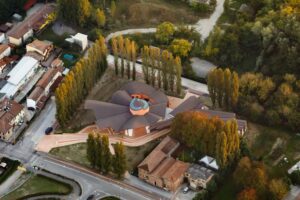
x=11, y=114
x=24, y=30
x=41, y=92
x=41, y=47
x=79, y=39
x=160, y=169
x=19, y=76
x=198, y=176
x=5, y=50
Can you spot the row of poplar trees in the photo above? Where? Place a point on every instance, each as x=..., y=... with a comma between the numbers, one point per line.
x=100, y=157
x=223, y=87
x=79, y=81
x=161, y=69
x=126, y=50
x=208, y=136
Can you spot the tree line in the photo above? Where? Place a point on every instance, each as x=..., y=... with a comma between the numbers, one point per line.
x=79, y=81
x=100, y=157
x=208, y=136
x=125, y=55
x=223, y=87
x=161, y=69
x=82, y=12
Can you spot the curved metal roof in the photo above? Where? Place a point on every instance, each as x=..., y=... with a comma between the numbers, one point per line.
x=116, y=114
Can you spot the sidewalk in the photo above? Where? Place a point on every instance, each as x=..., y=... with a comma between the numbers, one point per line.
x=132, y=180
x=4, y=187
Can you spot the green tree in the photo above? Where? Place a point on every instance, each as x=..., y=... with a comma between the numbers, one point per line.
x=178, y=75
x=220, y=86
x=211, y=84
x=106, y=155
x=121, y=53
x=113, y=9
x=235, y=89
x=91, y=149
x=116, y=55
x=99, y=152
x=83, y=11
x=164, y=32
x=100, y=17
x=119, y=160
x=133, y=58
x=180, y=47
x=228, y=87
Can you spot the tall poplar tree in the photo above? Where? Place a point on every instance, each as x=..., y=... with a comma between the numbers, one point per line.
x=211, y=84
x=116, y=55
x=228, y=87
x=119, y=160
x=128, y=57
x=121, y=53
x=133, y=58
x=91, y=149
x=106, y=155
x=235, y=89
x=220, y=86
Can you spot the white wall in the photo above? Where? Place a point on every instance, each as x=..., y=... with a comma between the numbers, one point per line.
x=5, y=53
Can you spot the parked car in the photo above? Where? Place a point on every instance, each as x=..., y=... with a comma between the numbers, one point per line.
x=185, y=190
x=48, y=130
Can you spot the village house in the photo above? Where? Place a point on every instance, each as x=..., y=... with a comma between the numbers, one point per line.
x=40, y=47
x=24, y=30
x=5, y=50
x=41, y=92
x=198, y=176
x=160, y=169
x=11, y=115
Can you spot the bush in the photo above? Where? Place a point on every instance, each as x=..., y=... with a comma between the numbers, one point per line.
x=295, y=177
x=94, y=34
x=12, y=166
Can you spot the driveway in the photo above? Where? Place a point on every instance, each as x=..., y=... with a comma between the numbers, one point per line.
x=201, y=67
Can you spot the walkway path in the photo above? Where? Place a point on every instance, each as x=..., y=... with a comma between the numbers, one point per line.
x=49, y=142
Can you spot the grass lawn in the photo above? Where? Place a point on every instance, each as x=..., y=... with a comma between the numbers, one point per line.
x=135, y=155
x=49, y=35
x=74, y=152
x=38, y=184
x=77, y=153
x=147, y=13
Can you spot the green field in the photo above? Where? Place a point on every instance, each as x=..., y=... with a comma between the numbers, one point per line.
x=38, y=184
x=77, y=153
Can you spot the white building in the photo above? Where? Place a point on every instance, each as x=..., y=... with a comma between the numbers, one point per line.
x=5, y=50
x=81, y=40
x=209, y=162
x=19, y=75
